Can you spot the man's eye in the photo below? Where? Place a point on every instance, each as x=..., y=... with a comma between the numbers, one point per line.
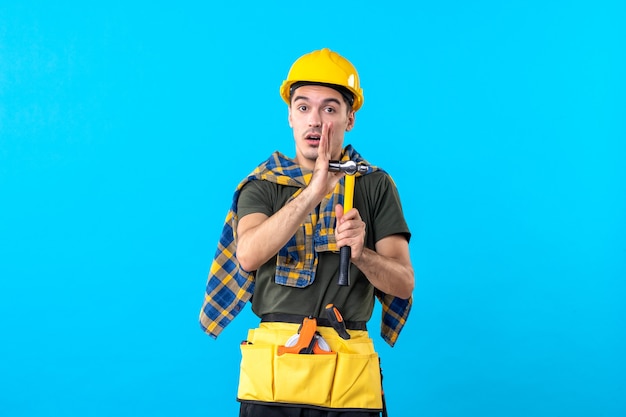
x=302, y=108
x=329, y=110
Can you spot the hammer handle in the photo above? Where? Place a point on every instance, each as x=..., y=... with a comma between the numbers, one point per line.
x=345, y=253
x=344, y=265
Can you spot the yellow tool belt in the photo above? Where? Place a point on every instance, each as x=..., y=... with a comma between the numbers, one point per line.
x=349, y=378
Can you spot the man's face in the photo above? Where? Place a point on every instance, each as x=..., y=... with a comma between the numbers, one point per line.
x=311, y=106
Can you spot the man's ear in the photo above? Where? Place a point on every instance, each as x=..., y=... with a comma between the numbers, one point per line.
x=289, y=116
x=351, y=120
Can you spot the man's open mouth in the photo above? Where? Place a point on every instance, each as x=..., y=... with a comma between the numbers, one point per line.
x=313, y=135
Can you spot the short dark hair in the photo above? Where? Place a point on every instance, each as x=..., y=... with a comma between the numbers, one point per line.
x=347, y=95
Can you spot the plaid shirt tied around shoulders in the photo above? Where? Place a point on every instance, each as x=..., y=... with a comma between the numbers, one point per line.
x=229, y=287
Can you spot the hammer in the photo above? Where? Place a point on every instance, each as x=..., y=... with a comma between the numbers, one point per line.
x=350, y=168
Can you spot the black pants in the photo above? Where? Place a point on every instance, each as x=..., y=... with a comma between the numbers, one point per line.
x=257, y=410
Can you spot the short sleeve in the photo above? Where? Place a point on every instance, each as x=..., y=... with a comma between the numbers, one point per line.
x=255, y=197
x=385, y=207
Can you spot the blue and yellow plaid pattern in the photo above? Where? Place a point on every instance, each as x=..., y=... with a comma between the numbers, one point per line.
x=229, y=287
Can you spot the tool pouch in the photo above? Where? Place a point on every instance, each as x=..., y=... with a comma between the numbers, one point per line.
x=347, y=378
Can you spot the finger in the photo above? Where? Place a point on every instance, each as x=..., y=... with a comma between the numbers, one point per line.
x=352, y=214
x=329, y=133
x=339, y=213
x=325, y=140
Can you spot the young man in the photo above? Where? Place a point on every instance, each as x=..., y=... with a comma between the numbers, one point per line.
x=279, y=248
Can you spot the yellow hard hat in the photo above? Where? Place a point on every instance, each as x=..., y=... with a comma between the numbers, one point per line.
x=324, y=67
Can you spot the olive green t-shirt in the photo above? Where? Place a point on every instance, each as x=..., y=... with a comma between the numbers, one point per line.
x=378, y=203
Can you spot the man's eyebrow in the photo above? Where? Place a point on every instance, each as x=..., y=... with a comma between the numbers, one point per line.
x=326, y=100
x=332, y=100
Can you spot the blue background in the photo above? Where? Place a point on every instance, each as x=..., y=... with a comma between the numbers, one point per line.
x=125, y=126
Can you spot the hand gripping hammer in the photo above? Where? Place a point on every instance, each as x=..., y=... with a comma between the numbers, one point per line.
x=350, y=168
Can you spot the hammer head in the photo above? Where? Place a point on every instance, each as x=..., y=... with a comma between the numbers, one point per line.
x=349, y=167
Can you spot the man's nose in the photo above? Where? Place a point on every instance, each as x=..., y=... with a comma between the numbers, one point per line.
x=315, y=120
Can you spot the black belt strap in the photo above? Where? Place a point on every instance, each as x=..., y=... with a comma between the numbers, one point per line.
x=296, y=318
